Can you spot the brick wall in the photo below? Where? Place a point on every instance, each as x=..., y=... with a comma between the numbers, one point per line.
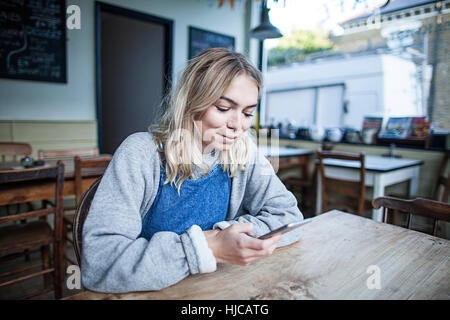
x=439, y=56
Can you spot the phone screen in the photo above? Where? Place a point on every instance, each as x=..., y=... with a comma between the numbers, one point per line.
x=286, y=228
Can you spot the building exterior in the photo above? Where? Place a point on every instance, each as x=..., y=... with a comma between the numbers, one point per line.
x=339, y=91
x=420, y=28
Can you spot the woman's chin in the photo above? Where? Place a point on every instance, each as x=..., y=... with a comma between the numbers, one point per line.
x=223, y=146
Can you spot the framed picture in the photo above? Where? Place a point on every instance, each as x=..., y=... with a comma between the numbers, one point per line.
x=397, y=128
x=200, y=40
x=372, y=123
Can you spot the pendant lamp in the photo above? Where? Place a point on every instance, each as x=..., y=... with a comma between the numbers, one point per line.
x=265, y=30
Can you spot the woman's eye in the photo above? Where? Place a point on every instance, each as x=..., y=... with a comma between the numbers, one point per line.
x=248, y=115
x=222, y=109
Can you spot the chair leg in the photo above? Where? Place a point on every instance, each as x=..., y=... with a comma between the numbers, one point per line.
x=395, y=218
x=24, y=221
x=324, y=202
x=435, y=227
x=309, y=201
x=57, y=275
x=45, y=254
x=443, y=231
x=64, y=243
x=361, y=208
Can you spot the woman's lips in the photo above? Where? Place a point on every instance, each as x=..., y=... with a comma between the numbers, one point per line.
x=227, y=139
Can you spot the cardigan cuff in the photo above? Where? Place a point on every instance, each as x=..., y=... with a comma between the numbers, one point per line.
x=199, y=256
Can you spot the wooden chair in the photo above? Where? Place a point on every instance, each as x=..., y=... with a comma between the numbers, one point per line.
x=72, y=154
x=441, y=188
x=424, y=207
x=80, y=217
x=94, y=167
x=443, y=180
x=14, y=150
x=66, y=154
x=304, y=187
x=351, y=193
x=16, y=238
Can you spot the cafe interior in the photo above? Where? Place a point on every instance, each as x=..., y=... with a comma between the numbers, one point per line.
x=357, y=127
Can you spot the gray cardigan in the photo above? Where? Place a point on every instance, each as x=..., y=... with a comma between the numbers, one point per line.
x=115, y=260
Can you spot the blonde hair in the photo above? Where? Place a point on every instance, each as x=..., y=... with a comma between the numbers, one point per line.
x=203, y=82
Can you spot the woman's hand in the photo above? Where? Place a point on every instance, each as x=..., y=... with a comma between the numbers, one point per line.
x=234, y=245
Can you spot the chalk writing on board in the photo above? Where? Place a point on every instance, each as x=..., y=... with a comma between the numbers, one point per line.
x=33, y=40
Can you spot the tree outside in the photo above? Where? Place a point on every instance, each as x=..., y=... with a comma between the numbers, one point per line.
x=297, y=45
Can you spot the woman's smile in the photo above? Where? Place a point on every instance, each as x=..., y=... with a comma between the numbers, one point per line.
x=228, y=139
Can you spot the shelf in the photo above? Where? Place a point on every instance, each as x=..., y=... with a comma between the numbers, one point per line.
x=411, y=141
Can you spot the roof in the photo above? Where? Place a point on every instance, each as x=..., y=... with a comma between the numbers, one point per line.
x=394, y=5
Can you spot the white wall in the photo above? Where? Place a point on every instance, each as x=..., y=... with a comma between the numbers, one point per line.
x=75, y=100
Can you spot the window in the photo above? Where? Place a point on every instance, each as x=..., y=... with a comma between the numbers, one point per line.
x=321, y=105
x=390, y=69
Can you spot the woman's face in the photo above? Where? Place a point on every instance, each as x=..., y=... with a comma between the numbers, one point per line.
x=230, y=116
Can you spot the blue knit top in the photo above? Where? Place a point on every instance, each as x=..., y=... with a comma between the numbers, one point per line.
x=203, y=201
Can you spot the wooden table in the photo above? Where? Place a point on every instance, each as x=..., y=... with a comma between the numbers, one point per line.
x=337, y=257
x=380, y=173
x=283, y=158
x=32, y=191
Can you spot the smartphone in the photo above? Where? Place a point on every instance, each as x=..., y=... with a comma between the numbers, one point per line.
x=286, y=228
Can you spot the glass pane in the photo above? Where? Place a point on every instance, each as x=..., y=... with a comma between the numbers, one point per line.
x=330, y=106
x=392, y=58
x=294, y=106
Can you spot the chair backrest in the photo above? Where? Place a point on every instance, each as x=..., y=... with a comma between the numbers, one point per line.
x=419, y=206
x=80, y=216
x=67, y=153
x=14, y=150
x=94, y=167
x=327, y=146
x=349, y=187
x=41, y=174
x=443, y=180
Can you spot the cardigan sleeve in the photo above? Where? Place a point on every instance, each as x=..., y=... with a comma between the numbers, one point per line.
x=114, y=258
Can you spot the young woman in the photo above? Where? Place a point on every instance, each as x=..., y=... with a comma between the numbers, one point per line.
x=190, y=193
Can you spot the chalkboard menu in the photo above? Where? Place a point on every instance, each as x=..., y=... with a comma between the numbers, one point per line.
x=33, y=40
x=200, y=40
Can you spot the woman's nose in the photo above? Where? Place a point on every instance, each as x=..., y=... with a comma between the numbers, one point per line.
x=235, y=121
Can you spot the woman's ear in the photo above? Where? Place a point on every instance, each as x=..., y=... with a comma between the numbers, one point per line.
x=198, y=117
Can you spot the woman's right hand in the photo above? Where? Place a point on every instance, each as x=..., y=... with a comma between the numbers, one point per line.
x=234, y=245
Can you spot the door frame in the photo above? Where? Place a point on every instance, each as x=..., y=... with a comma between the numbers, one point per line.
x=168, y=48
